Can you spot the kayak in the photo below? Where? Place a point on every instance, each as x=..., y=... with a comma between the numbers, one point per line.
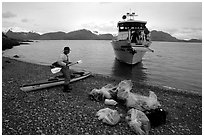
x=55, y=81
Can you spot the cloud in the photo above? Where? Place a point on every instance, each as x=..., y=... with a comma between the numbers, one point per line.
x=8, y=15
x=24, y=20
x=108, y=27
x=8, y=23
x=15, y=29
x=105, y=2
x=187, y=33
x=181, y=32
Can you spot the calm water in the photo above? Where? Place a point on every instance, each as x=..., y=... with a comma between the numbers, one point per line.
x=172, y=65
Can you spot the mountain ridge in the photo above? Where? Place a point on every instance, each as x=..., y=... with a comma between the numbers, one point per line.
x=84, y=34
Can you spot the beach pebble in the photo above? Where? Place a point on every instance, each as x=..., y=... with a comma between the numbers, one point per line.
x=57, y=113
x=16, y=56
x=7, y=61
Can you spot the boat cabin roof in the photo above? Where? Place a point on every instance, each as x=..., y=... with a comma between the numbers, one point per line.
x=133, y=21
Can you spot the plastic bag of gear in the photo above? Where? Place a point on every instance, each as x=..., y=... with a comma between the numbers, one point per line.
x=96, y=95
x=156, y=116
x=138, y=121
x=108, y=116
x=110, y=102
x=133, y=100
x=123, y=89
x=108, y=91
x=141, y=102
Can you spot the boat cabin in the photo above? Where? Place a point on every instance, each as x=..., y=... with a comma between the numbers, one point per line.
x=133, y=30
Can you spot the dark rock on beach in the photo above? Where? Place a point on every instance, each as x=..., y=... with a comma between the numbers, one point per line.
x=52, y=112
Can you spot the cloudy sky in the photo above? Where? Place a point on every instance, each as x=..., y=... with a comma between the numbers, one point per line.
x=181, y=19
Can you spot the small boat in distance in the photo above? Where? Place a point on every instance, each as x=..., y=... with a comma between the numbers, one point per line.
x=133, y=40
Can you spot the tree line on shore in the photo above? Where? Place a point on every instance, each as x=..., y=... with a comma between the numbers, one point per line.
x=8, y=43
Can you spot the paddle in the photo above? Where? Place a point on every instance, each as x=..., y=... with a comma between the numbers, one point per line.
x=57, y=69
x=150, y=49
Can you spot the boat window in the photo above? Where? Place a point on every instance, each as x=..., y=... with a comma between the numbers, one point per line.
x=130, y=25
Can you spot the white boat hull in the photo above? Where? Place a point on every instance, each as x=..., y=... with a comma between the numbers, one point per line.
x=128, y=52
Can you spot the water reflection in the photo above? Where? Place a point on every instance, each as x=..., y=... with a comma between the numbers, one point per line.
x=134, y=72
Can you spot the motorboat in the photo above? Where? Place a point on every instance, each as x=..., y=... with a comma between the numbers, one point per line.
x=133, y=40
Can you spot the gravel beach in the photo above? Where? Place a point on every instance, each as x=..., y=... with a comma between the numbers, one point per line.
x=53, y=112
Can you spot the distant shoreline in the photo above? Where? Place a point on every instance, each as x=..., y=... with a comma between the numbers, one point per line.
x=11, y=44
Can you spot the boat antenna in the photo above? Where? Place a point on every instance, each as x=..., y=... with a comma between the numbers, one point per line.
x=131, y=15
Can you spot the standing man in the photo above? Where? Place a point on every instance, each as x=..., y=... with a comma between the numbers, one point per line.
x=63, y=61
x=135, y=37
x=147, y=33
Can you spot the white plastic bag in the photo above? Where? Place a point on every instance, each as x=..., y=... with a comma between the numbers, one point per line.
x=152, y=101
x=135, y=101
x=105, y=90
x=142, y=102
x=108, y=116
x=110, y=102
x=108, y=91
x=123, y=89
x=95, y=91
x=96, y=94
x=138, y=122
